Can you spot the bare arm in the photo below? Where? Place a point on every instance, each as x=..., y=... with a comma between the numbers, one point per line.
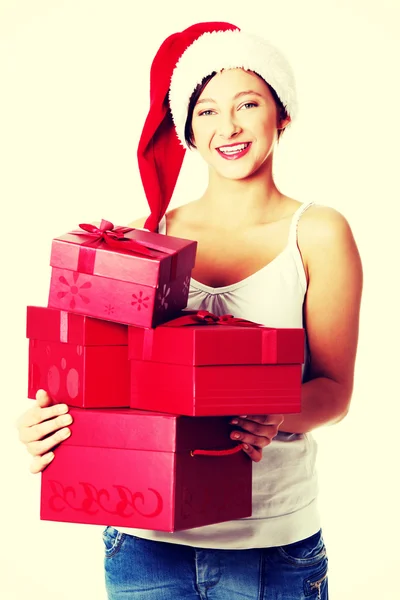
x=332, y=309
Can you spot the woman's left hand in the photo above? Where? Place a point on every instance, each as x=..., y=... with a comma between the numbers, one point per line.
x=257, y=432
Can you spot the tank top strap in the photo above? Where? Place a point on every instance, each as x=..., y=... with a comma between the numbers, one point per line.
x=292, y=241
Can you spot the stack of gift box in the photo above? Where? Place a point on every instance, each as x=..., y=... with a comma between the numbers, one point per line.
x=151, y=386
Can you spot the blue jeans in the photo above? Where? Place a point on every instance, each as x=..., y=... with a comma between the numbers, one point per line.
x=138, y=569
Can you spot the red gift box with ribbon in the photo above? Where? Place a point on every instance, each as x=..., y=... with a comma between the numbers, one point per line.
x=130, y=468
x=79, y=360
x=201, y=365
x=121, y=274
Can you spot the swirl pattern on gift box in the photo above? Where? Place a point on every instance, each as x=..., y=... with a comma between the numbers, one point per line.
x=120, y=501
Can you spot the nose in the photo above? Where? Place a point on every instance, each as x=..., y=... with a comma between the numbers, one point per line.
x=228, y=127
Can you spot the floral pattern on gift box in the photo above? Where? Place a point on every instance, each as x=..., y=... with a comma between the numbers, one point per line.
x=186, y=284
x=74, y=289
x=119, y=500
x=139, y=301
x=109, y=309
x=162, y=296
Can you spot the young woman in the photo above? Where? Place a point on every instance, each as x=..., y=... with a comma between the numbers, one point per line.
x=262, y=256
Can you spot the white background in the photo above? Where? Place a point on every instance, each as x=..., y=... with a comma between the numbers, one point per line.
x=74, y=94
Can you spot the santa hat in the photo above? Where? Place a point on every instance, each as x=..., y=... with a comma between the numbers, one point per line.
x=183, y=60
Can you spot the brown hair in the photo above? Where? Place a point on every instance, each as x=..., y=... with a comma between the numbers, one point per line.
x=189, y=137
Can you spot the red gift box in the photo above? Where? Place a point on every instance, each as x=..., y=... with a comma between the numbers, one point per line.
x=229, y=367
x=79, y=360
x=121, y=274
x=132, y=468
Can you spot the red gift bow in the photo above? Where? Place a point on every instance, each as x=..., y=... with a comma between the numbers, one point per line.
x=193, y=318
x=203, y=317
x=115, y=238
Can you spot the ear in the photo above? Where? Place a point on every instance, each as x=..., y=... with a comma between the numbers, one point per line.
x=283, y=122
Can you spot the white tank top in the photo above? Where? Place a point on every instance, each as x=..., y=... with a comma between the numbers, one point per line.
x=285, y=480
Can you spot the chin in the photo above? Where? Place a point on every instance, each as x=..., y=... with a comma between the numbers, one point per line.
x=239, y=174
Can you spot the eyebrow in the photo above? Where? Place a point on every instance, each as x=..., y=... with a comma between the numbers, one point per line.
x=235, y=97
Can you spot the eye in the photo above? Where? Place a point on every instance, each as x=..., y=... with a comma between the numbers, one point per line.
x=248, y=105
x=205, y=113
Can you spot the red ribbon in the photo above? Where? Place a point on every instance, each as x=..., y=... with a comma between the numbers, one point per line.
x=217, y=452
x=203, y=317
x=114, y=237
x=63, y=326
x=193, y=318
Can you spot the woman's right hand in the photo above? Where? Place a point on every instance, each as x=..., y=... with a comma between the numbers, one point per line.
x=43, y=427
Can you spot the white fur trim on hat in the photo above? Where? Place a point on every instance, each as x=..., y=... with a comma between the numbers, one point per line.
x=220, y=50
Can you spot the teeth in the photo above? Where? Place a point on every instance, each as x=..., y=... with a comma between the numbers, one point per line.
x=233, y=149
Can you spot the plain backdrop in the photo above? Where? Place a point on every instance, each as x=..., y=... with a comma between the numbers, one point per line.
x=74, y=77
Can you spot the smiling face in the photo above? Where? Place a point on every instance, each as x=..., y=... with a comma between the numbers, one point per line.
x=235, y=124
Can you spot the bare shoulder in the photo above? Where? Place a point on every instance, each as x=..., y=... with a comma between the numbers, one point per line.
x=322, y=224
x=326, y=240
x=180, y=214
x=323, y=229
x=138, y=224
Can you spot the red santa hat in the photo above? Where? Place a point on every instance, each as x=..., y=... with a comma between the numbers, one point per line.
x=180, y=65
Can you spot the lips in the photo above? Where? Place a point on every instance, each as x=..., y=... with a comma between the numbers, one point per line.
x=234, y=151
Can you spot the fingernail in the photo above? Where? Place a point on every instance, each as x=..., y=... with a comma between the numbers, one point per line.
x=65, y=433
x=66, y=420
x=62, y=408
x=234, y=422
x=245, y=446
x=49, y=457
x=236, y=436
x=243, y=416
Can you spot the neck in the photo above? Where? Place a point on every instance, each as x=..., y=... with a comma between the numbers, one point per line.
x=240, y=202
